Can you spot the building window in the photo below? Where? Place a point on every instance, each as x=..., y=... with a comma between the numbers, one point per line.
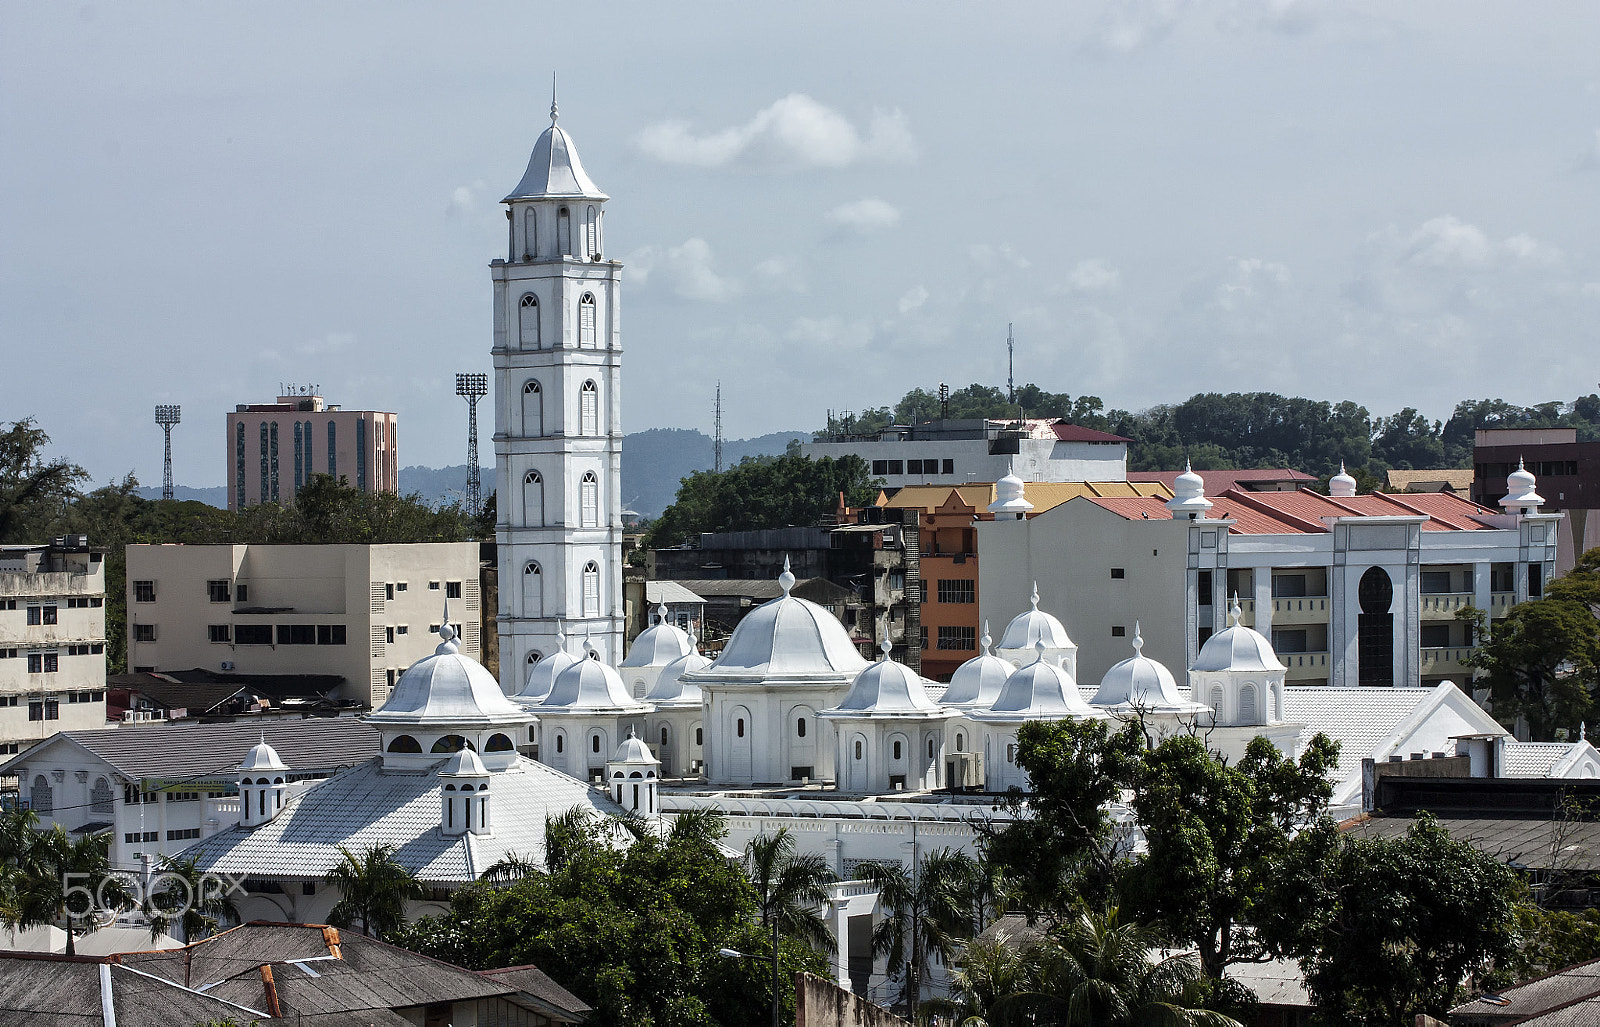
x=332, y=634
x=959, y=637
x=532, y=591
x=1435, y=636
x=532, y=408
x=44, y=709
x=958, y=590
x=1118, y=572
x=252, y=634
x=297, y=634
x=452, y=590
x=699, y=736
x=564, y=231
x=533, y=499
x=528, y=320
x=896, y=467
x=274, y=462
x=41, y=798
x=1433, y=583
x=586, y=327
x=144, y=591
x=238, y=466
x=949, y=467
x=591, y=234
x=591, y=589
x=896, y=751
x=589, y=409
x=880, y=467
x=589, y=501
x=1296, y=640
x=333, y=442
x=388, y=635
x=218, y=591
x=1535, y=580
x=1203, y=588
x=800, y=727
x=35, y=616
x=594, y=743
x=144, y=632
x=858, y=748
x=530, y=235
x=361, y=454
x=219, y=633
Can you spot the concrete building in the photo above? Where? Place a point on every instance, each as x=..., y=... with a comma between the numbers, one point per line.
x=365, y=613
x=52, y=641
x=1569, y=479
x=1352, y=590
x=961, y=452
x=274, y=449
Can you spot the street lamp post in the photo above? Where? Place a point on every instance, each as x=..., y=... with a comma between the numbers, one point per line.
x=736, y=954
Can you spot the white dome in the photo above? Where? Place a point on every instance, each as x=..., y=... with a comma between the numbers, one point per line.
x=554, y=168
x=786, y=638
x=1341, y=485
x=671, y=691
x=465, y=763
x=977, y=682
x=659, y=644
x=1041, y=690
x=589, y=686
x=1140, y=683
x=447, y=688
x=542, y=676
x=634, y=751
x=1010, y=496
x=887, y=689
x=1034, y=626
x=1188, y=494
x=262, y=757
x=1521, y=489
x=1237, y=647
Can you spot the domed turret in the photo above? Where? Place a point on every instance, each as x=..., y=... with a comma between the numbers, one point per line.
x=634, y=776
x=1237, y=647
x=1341, y=485
x=656, y=646
x=977, y=682
x=1010, y=501
x=464, y=795
x=589, y=686
x=671, y=690
x=1032, y=627
x=1239, y=676
x=542, y=675
x=1141, y=685
x=886, y=689
x=554, y=170
x=1521, y=495
x=1040, y=690
x=1188, y=502
x=263, y=780
x=787, y=639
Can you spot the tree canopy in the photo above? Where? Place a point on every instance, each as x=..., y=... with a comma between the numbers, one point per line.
x=762, y=492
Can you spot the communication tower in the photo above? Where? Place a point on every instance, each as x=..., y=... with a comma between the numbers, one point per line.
x=1011, y=353
x=717, y=432
x=166, y=417
x=474, y=387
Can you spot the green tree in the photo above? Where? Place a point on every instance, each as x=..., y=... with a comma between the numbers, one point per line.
x=33, y=490
x=187, y=896
x=1394, y=926
x=762, y=492
x=51, y=878
x=925, y=909
x=374, y=888
x=790, y=887
x=1541, y=662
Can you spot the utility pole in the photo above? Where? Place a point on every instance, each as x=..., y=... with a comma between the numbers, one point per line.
x=717, y=431
x=1011, y=353
x=473, y=387
x=166, y=417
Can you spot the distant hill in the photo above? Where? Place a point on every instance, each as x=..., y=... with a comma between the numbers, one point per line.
x=653, y=462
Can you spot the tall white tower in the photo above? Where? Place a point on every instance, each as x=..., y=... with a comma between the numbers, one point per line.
x=558, y=436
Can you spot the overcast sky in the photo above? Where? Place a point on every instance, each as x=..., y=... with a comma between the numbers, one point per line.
x=822, y=204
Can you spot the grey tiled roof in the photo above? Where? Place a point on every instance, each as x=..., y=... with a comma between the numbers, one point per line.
x=1533, y=759
x=1539, y=995
x=1534, y=842
x=533, y=981
x=368, y=806
x=38, y=990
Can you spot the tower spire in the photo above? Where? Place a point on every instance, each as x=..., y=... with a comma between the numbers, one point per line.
x=555, y=111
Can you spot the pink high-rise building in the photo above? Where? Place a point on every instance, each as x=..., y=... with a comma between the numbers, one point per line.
x=275, y=448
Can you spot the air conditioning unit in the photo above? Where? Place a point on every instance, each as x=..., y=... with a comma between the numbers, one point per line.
x=227, y=664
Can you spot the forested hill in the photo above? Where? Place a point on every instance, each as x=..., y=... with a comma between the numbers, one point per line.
x=1255, y=429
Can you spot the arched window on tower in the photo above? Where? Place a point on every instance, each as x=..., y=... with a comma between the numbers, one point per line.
x=589, y=409
x=528, y=321
x=564, y=231
x=591, y=589
x=591, y=233
x=589, y=499
x=533, y=499
x=1247, y=704
x=530, y=234
x=586, y=332
x=532, y=590
x=532, y=409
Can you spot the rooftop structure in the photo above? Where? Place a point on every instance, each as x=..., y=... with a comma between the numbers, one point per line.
x=273, y=449
x=956, y=452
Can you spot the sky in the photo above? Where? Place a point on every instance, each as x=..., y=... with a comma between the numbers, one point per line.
x=821, y=205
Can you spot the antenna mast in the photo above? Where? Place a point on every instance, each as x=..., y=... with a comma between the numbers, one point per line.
x=166, y=417
x=1011, y=354
x=717, y=431
x=473, y=387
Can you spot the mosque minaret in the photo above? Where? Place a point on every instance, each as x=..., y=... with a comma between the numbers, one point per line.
x=558, y=434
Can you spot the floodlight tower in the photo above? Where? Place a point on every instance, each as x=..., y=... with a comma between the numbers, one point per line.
x=474, y=387
x=166, y=417
x=717, y=436
x=1011, y=365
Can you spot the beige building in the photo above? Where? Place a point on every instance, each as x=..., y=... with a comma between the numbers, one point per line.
x=275, y=448
x=52, y=641
x=365, y=613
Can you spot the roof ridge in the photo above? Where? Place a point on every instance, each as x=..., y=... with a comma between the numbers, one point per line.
x=1240, y=496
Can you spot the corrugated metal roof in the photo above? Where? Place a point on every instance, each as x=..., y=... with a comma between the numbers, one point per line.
x=535, y=982
x=1542, y=994
x=1459, y=479
x=1044, y=495
x=1538, y=843
x=658, y=592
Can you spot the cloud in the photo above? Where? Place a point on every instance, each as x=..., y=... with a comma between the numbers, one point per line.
x=863, y=216
x=914, y=297
x=1450, y=244
x=686, y=270
x=464, y=200
x=1249, y=279
x=1093, y=275
x=830, y=334
x=990, y=257
x=793, y=133
x=779, y=274
x=1130, y=25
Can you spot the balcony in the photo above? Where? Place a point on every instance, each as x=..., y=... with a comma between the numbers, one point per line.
x=1500, y=603
x=1300, y=610
x=1443, y=605
x=1305, y=665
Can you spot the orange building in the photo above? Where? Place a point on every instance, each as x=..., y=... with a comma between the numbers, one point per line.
x=946, y=519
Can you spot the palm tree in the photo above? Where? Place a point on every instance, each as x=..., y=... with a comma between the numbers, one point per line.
x=509, y=869
x=789, y=887
x=996, y=984
x=375, y=887
x=926, y=909
x=186, y=896
x=54, y=878
x=1100, y=972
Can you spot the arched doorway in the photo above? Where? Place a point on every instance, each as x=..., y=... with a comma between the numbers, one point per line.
x=1375, y=629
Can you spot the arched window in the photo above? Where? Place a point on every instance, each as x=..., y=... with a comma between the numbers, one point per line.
x=1216, y=699
x=858, y=748
x=44, y=802
x=564, y=231
x=499, y=743
x=530, y=233
x=561, y=743
x=1375, y=629
x=663, y=736
x=534, y=656
x=404, y=743
x=896, y=750
x=589, y=499
x=1011, y=752
x=532, y=409
x=591, y=589
x=961, y=742
x=699, y=736
x=532, y=591
x=591, y=233
x=930, y=748
x=586, y=332
x=594, y=743
x=528, y=322
x=100, y=796
x=452, y=743
x=800, y=727
x=1247, y=704
x=1277, y=702
x=589, y=409
x=533, y=499
x=738, y=728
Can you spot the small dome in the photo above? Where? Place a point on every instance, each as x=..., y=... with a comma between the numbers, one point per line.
x=1237, y=647
x=887, y=689
x=634, y=751
x=671, y=690
x=787, y=637
x=1521, y=490
x=542, y=676
x=1188, y=494
x=659, y=644
x=554, y=168
x=1034, y=626
x=977, y=682
x=589, y=685
x=1341, y=485
x=1037, y=691
x=1143, y=684
x=465, y=763
x=1010, y=496
x=262, y=757
x=447, y=688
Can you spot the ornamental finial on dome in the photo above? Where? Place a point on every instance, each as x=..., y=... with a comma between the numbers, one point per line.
x=1038, y=651
x=589, y=650
x=555, y=112
x=987, y=640
x=1035, y=598
x=447, y=634
x=786, y=579
x=885, y=647
x=1138, y=640
x=561, y=636
x=661, y=613
x=1234, y=612
x=1342, y=485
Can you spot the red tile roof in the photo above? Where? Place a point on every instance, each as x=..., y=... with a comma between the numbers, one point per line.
x=1304, y=512
x=1078, y=433
x=1219, y=481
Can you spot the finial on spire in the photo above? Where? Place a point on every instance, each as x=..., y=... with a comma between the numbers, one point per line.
x=1583, y=729
x=786, y=579
x=1519, y=463
x=1341, y=466
x=1038, y=651
x=447, y=634
x=987, y=639
x=885, y=647
x=589, y=650
x=561, y=635
x=1035, y=598
x=631, y=735
x=1138, y=640
x=1234, y=612
x=661, y=613
x=555, y=112
x=1188, y=466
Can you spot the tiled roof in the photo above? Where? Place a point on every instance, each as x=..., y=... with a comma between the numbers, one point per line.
x=1459, y=479
x=1065, y=432
x=1358, y=718
x=1532, y=759
x=1044, y=495
x=184, y=749
x=44, y=990
x=1537, y=843
x=1222, y=480
x=533, y=981
x=1540, y=995
x=368, y=806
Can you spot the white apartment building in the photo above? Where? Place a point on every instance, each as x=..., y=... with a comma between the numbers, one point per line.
x=959, y=452
x=1351, y=590
x=52, y=641
x=275, y=448
x=363, y=612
